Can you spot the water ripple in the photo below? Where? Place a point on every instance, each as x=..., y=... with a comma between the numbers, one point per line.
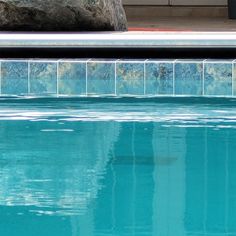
x=113, y=110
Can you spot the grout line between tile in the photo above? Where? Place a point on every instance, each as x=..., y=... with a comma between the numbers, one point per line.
x=151, y=61
x=181, y=61
x=218, y=61
x=72, y=61
x=131, y=61
x=86, y=79
x=103, y=61
x=42, y=61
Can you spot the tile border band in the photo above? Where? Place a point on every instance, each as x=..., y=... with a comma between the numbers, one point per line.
x=143, y=74
x=0, y=77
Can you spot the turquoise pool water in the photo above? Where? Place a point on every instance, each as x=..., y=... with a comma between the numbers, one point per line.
x=122, y=167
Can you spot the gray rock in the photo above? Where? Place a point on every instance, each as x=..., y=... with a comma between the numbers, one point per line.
x=62, y=15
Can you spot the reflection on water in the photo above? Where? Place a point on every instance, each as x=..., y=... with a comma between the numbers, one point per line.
x=166, y=178
x=43, y=168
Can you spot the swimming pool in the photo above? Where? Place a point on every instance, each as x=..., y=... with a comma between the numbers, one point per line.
x=118, y=166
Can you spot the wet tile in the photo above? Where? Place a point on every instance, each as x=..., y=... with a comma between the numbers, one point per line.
x=234, y=78
x=43, y=77
x=101, y=77
x=188, y=77
x=159, y=78
x=218, y=78
x=14, y=77
x=72, y=77
x=130, y=78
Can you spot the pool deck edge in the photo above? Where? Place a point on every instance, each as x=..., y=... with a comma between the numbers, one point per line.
x=119, y=40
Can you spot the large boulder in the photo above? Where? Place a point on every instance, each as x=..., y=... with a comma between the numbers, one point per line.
x=62, y=15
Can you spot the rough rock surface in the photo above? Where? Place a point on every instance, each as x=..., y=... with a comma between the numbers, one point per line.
x=62, y=15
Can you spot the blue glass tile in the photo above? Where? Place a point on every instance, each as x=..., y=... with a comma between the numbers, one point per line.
x=43, y=77
x=14, y=77
x=234, y=78
x=72, y=78
x=130, y=78
x=188, y=78
x=218, y=78
x=159, y=78
x=101, y=77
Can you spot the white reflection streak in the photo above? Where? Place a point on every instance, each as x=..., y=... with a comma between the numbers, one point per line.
x=122, y=113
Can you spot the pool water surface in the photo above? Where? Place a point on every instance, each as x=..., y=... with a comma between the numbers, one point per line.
x=118, y=167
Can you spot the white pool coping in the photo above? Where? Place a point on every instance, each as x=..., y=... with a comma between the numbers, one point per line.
x=119, y=40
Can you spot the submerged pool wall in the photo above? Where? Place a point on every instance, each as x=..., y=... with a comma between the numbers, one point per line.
x=108, y=77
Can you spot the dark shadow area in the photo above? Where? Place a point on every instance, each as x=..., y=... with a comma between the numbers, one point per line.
x=64, y=101
x=121, y=53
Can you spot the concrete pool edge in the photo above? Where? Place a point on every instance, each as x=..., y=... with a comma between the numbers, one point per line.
x=119, y=40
